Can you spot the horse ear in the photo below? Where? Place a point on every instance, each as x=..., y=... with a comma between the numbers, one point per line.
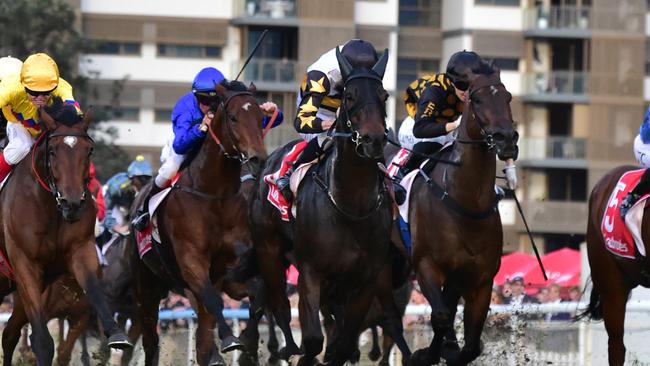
x=344, y=64
x=88, y=117
x=252, y=88
x=220, y=89
x=49, y=122
x=380, y=66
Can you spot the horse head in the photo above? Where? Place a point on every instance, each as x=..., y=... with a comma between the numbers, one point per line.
x=362, y=114
x=239, y=124
x=489, y=106
x=68, y=148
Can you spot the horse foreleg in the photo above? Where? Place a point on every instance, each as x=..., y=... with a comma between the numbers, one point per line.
x=77, y=326
x=148, y=293
x=206, y=350
x=387, y=344
x=375, y=351
x=270, y=262
x=477, y=304
x=85, y=267
x=355, y=312
x=134, y=333
x=12, y=332
x=393, y=318
x=309, y=305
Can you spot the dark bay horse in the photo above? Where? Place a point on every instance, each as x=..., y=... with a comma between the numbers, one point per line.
x=613, y=276
x=49, y=187
x=203, y=225
x=454, y=220
x=340, y=236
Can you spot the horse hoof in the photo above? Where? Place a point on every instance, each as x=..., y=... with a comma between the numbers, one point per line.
x=441, y=318
x=119, y=340
x=288, y=351
x=355, y=356
x=231, y=343
x=421, y=358
x=216, y=359
x=374, y=354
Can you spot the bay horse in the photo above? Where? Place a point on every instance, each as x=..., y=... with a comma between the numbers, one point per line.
x=613, y=276
x=50, y=187
x=454, y=219
x=203, y=225
x=340, y=236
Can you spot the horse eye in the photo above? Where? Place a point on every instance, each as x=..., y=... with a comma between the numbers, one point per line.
x=52, y=153
x=232, y=118
x=90, y=152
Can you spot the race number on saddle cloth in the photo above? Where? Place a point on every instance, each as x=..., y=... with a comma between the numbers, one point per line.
x=145, y=238
x=621, y=239
x=274, y=195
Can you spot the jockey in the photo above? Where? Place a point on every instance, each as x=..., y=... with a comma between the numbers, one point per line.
x=120, y=192
x=191, y=116
x=8, y=66
x=95, y=188
x=319, y=99
x=20, y=98
x=642, y=154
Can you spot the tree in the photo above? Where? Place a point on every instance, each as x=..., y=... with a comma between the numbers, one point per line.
x=31, y=26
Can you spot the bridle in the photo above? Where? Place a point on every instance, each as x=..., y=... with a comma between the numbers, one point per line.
x=238, y=155
x=488, y=138
x=354, y=135
x=49, y=183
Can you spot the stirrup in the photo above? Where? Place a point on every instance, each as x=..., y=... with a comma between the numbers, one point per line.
x=400, y=193
x=627, y=203
x=141, y=221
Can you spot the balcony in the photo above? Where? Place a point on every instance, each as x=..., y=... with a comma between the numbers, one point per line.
x=266, y=12
x=556, y=87
x=559, y=217
x=558, y=22
x=553, y=152
x=270, y=74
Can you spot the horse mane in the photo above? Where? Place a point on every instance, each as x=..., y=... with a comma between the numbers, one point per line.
x=485, y=68
x=234, y=85
x=65, y=114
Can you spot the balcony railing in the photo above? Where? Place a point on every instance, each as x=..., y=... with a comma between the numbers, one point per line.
x=274, y=9
x=538, y=148
x=558, y=17
x=268, y=71
x=555, y=216
x=556, y=82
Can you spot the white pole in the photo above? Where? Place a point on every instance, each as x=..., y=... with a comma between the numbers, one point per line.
x=190, y=342
x=235, y=331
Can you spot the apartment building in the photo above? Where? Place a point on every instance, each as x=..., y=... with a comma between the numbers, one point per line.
x=576, y=69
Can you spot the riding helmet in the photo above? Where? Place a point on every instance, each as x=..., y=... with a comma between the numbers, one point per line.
x=39, y=73
x=9, y=66
x=460, y=66
x=206, y=80
x=360, y=53
x=139, y=167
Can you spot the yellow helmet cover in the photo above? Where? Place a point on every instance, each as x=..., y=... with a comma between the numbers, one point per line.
x=39, y=73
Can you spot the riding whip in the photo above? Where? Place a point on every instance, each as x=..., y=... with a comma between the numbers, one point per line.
x=257, y=45
x=521, y=212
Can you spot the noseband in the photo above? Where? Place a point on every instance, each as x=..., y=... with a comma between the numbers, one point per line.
x=238, y=154
x=354, y=135
x=49, y=183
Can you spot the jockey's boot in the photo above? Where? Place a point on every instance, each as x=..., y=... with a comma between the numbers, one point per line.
x=411, y=163
x=642, y=188
x=283, y=184
x=141, y=220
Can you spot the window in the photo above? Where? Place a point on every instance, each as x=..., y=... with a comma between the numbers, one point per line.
x=505, y=63
x=188, y=51
x=497, y=2
x=409, y=69
x=118, y=48
x=647, y=57
x=420, y=13
x=567, y=184
x=162, y=115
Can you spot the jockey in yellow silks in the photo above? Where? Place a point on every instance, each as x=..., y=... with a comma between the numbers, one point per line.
x=21, y=95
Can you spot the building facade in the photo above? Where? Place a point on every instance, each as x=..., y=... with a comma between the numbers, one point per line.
x=576, y=68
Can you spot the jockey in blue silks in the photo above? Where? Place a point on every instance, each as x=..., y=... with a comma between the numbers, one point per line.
x=642, y=154
x=190, y=119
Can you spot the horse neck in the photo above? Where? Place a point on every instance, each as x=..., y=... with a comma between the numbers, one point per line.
x=211, y=172
x=475, y=176
x=353, y=179
x=27, y=179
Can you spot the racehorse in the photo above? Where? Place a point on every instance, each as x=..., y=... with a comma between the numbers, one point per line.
x=50, y=186
x=454, y=220
x=340, y=235
x=613, y=276
x=203, y=224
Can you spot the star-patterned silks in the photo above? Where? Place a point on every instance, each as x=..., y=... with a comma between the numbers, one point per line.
x=305, y=109
x=317, y=86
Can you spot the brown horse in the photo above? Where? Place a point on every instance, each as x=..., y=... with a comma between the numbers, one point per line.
x=456, y=228
x=203, y=225
x=49, y=187
x=613, y=277
x=340, y=236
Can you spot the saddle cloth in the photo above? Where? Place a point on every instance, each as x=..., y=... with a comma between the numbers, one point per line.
x=146, y=237
x=274, y=195
x=5, y=266
x=624, y=238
